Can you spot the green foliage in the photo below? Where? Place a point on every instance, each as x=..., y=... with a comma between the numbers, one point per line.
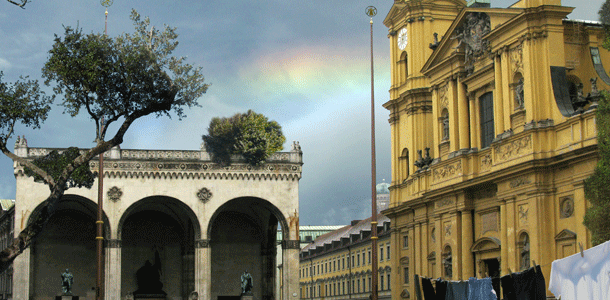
x=128, y=76
x=21, y=102
x=54, y=164
x=604, y=17
x=251, y=135
x=597, y=187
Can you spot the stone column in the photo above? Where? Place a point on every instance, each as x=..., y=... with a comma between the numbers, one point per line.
x=463, y=117
x=113, y=270
x=203, y=270
x=467, y=241
x=503, y=239
x=21, y=275
x=290, y=268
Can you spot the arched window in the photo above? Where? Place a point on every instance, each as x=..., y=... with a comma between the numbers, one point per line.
x=404, y=66
x=487, y=119
x=524, y=251
x=404, y=162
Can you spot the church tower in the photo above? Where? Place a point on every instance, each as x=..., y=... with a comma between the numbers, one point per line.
x=415, y=30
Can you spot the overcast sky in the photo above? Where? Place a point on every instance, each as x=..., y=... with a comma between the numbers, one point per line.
x=304, y=64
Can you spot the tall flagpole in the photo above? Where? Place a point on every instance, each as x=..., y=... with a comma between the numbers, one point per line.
x=99, y=289
x=371, y=11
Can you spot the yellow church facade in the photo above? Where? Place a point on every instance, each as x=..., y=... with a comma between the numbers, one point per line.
x=492, y=115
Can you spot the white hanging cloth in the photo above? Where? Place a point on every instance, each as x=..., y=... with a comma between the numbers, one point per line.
x=584, y=275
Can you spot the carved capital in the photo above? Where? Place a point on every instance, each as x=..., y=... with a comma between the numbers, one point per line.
x=114, y=243
x=203, y=243
x=291, y=244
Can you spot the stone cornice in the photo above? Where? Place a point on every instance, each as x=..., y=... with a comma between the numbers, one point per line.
x=186, y=164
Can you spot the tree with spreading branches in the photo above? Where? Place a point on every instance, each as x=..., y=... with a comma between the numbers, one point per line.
x=113, y=80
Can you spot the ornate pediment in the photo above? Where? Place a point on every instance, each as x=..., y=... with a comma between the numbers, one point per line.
x=565, y=235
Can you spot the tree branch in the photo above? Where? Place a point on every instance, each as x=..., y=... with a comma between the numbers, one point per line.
x=26, y=163
x=22, y=4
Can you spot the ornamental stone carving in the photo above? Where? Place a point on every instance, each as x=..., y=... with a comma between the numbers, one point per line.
x=443, y=202
x=447, y=229
x=523, y=212
x=471, y=34
x=447, y=171
x=516, y=58
x=566, y=207
x=508, y=150
x=204, y=195
x=517, y=182
x=442, y=96
x=486, y=162
x=114, y=194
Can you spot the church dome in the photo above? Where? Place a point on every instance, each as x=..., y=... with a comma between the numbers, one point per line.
x=383, y=188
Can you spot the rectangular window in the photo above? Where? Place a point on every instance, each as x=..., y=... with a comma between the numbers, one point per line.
x=358, y=260
x=370, y=284
x=353, y=264
x=381, y=282
x=381, y=253
x=406, y=274
x=369, y=257
x=343, y=263
x=405, y=241
x=389, y=286
x=388, y=252
x=487, y=119
x=335, y=265
x=358, y=286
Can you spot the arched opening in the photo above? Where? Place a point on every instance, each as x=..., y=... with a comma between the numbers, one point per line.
x=404, y=161
x=158, y=232
x=524, y=251
x=519, y=91
x=404, y=66
x=67, y=242
x=445, y=125
x=243, y=235
x=447, y=263
x=487, y=255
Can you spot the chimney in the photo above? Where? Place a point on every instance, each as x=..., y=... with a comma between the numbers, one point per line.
x=479, y=3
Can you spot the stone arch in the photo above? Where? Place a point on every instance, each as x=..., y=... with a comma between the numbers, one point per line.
x=487, y=256
x=266, y=204
x=246, y=227
x=70, y=201
x=67, y=242
x=173, y=205
x=161, y=230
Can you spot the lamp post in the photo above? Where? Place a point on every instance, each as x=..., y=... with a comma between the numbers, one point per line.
x=99, y=238
x=371, y=11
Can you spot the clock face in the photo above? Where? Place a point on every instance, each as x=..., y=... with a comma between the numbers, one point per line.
x=402, y=39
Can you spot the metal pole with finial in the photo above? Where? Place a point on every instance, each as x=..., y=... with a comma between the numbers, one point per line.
x=371, y=11
x=99, y=289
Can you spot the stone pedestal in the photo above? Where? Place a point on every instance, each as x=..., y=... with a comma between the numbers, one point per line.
x=67, y=297
x=247, y=297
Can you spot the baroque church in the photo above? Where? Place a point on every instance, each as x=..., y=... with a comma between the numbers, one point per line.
x=492, y=115
x=202, y=225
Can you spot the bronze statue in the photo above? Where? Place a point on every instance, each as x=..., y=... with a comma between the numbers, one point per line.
x=67, y=279
x=246, y=283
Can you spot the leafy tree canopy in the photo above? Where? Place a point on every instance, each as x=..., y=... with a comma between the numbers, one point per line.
x=251, y=135
x=597, y=187
x=54, y=163
x=114, y=80
x=604, y=17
